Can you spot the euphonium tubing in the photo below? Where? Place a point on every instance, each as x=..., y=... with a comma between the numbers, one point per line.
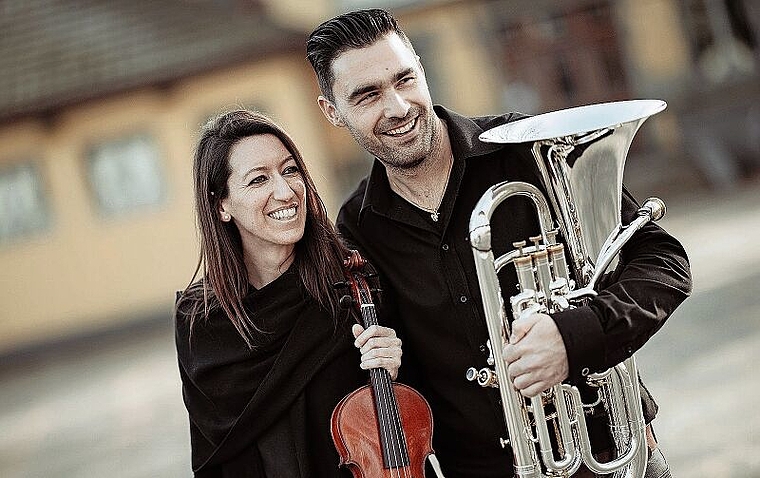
x=580, y=153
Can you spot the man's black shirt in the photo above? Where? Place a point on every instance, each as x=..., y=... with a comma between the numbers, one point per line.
x=433, y=299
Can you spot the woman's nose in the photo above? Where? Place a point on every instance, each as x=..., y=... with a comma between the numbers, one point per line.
x=282, y=190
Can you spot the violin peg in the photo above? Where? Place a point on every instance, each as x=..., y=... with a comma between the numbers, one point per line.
x=346, y=301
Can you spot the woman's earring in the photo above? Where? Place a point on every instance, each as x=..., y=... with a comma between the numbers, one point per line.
x=226, y=217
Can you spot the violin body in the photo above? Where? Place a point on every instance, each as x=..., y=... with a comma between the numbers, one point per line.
x=358, y=440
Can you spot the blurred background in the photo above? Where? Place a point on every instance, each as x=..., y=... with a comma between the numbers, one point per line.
x=100, y=104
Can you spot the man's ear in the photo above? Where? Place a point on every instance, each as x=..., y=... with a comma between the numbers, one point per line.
x=330, y=112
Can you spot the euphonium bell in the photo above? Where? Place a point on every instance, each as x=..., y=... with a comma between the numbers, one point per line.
x=580, y=153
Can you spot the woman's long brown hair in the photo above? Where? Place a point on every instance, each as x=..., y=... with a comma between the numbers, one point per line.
x=223, y=276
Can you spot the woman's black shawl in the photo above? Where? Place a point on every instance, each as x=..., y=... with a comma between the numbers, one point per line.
x=266, y=411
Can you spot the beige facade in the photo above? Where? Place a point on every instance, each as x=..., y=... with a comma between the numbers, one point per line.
x=87, y=270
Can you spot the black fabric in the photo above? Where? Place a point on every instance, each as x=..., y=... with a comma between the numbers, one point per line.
x=431, y=289
x=267, y=409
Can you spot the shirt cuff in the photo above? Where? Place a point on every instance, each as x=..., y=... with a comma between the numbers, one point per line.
x=584, y=342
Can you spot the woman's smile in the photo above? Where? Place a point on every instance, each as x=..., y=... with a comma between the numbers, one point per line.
x=284, y=214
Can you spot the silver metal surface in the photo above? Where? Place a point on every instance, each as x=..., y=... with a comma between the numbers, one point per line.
x=580, y=153
x=573, y=121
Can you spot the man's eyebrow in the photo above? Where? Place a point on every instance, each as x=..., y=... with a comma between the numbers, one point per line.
x=363, y=89
x=360, y=91
x=405, y=72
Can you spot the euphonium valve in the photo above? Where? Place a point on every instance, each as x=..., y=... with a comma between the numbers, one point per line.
x=580, y=154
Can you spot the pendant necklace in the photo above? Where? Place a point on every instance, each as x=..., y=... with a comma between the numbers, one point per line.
x=434, y=214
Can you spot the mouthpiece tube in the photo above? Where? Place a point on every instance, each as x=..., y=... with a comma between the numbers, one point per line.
x=656, y=208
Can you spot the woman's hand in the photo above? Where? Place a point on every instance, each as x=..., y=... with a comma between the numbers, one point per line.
x=379, y=347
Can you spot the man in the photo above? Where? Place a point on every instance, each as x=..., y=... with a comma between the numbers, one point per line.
x=410, y=218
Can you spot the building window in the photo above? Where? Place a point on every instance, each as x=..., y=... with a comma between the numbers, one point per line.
x=559, y=54
x=23, y=209
x=125, y=174
x=723, y=41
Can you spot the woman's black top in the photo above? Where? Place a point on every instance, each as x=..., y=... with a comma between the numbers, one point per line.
x=266, y=412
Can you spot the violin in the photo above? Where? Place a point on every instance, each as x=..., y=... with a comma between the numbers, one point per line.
x=383, y=429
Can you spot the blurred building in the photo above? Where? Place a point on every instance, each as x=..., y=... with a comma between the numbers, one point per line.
x=100, y=103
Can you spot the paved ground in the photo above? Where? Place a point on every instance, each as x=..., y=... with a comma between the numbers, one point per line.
x=704, y=365
x=115, y=411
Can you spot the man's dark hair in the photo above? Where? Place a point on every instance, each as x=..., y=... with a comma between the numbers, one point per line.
x=349, y=31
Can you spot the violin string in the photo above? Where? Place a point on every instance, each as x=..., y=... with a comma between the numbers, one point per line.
x=397, y=428
x=394, y=422
x=383, y=411
x=370, y=319
x=385, y=402
x=388, y=451
x=391, y=423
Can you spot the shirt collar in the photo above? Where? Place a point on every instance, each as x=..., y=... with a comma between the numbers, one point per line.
x=463, y=135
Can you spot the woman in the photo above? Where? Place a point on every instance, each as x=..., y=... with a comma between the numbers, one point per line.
x=265, y=352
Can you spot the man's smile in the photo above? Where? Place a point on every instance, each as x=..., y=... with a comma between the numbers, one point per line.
x=403, y=129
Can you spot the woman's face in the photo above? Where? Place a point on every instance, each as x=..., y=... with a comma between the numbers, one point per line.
x=266, y=198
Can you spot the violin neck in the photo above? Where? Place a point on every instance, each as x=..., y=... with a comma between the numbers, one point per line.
x=392, y=438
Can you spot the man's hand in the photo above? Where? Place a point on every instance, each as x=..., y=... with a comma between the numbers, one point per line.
x=536, y=355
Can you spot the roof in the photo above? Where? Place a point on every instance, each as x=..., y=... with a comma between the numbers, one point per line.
x=57, y=52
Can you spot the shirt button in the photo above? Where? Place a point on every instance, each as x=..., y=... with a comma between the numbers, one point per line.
x=445, y=247
x=463, y=299
x=483, y=348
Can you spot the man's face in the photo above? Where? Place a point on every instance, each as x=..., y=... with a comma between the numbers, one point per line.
x=382, y=97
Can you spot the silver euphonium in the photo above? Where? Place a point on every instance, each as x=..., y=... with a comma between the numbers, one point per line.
x=580, y=153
